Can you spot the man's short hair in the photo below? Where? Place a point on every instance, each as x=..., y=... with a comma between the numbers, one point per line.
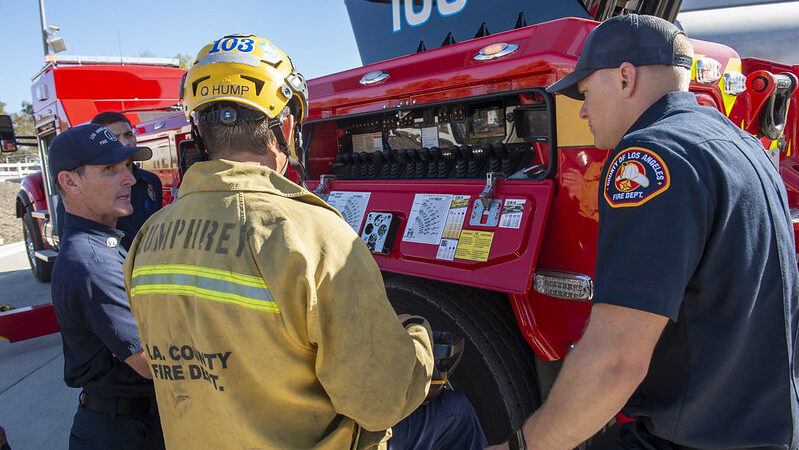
x=108, y=117
x=683, y=46
x=252, y=136
x=80, y=170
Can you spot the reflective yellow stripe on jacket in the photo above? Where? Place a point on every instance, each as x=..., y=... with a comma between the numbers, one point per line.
x=206, y=283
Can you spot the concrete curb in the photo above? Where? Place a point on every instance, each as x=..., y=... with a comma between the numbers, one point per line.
x=8, y=249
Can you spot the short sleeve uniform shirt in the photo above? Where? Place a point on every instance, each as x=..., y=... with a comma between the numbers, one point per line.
x=99, y=332
x=694, y=227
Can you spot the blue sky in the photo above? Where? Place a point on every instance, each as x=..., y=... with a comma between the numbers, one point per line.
x=316, y=34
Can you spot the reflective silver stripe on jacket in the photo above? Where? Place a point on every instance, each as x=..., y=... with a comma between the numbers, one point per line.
x=206, y=283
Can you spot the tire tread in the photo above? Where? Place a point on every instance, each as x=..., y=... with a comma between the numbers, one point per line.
x=487, y=321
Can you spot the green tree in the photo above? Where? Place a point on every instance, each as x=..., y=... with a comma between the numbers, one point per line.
x=23, y=126
x=185, y=60
x=23, y=120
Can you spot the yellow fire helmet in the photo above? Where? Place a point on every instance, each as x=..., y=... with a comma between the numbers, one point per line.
x=247, y=70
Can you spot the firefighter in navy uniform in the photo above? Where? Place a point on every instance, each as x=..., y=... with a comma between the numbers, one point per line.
x=264, y=315
x=146, y=195
x=694, y=319
x=103, y=354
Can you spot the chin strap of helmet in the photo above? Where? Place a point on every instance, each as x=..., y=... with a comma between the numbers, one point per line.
x=198, y=140
x=277, y=130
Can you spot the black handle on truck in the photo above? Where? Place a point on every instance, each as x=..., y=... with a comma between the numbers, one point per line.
x=775, y=111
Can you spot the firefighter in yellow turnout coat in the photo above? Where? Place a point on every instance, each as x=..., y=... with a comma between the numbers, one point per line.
x=263, y=314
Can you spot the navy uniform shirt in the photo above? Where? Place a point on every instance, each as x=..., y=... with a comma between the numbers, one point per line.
x=694, y=226
x=93, y=313
x=145, y=197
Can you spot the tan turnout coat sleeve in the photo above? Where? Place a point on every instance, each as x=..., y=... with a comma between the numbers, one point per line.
x=278, y=285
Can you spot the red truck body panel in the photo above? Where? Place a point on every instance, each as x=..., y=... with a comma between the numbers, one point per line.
x=27, y=323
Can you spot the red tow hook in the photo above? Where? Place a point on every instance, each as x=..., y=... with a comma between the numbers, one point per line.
x=762, y=109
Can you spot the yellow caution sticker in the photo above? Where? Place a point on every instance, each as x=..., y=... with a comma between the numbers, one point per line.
x=459, y=201
x=474, y=245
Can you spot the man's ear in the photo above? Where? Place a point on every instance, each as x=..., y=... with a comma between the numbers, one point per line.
x=627, y=75
x=69, y=182
x=287, y=126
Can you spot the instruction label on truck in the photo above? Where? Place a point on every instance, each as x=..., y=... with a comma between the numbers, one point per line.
x=452, y=227
x=427, y=218
x=512, y=213
x=351, y=206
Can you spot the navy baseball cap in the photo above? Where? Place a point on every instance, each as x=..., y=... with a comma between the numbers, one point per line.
x=90, y=144
x=637, y=39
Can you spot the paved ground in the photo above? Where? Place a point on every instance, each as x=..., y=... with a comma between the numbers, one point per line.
x=36, y=407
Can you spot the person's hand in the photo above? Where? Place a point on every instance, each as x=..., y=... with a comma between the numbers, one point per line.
x=502, y=446
x=403, y=317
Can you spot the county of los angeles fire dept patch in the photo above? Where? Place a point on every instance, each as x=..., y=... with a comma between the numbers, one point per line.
x=635, y=176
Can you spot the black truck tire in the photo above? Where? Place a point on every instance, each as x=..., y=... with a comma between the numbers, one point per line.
x=33, y=242
x=497, y=370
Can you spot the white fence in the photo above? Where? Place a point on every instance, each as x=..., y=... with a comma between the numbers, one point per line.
x=18, y=169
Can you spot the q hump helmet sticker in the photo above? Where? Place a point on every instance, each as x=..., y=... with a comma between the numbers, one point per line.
x=635, y=176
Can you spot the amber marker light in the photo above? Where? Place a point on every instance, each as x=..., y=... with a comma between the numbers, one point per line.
x=495, y=51
x=373, y=77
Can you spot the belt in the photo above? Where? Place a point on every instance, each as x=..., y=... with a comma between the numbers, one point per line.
x=117, y=405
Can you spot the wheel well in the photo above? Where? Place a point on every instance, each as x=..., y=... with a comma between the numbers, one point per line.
x=497, y=371
x=23, y=205
x=492, y=331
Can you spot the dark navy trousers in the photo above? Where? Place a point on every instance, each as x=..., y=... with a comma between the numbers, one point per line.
x=448, y=421
x=92, y=430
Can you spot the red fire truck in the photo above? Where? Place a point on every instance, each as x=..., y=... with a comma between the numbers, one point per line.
x=70, y=91
x=476, y=190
